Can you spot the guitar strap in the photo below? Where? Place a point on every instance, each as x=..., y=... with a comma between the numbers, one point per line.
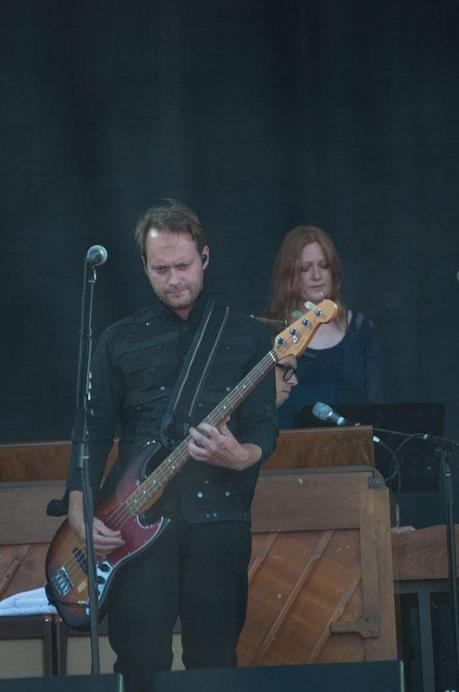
x=193, y=375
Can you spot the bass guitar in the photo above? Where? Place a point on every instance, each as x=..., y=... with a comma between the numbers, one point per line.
x=137, y=491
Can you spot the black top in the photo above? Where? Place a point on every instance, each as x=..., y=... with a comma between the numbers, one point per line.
x=134, y=371
x=348, y=373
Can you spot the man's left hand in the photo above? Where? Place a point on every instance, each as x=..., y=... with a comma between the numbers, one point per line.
x=217, y=445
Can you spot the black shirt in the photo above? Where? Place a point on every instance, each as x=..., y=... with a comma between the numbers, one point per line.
x=134, y=371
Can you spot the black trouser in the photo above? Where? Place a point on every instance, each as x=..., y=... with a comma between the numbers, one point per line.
x=197, y=571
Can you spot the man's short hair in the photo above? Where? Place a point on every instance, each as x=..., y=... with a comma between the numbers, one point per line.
x=171, y=216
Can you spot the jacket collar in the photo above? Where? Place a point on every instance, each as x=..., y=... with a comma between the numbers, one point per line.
x=163, y=311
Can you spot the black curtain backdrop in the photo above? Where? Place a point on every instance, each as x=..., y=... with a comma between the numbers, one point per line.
x=258, y=114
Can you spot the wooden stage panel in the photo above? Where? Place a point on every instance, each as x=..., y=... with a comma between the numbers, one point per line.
x=317, y=594
x=36, y=461
x=23, y=511
x=295, y=597
x=422, y=553
x=323, y=447
x=39, y=461
x=21, y=568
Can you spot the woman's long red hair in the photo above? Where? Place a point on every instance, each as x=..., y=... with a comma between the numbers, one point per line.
x=286, y=278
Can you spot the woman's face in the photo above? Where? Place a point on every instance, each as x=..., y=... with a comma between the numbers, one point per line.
x=316, y=279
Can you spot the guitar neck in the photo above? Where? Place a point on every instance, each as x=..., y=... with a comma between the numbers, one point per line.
x=169, y=468
x=241, y=391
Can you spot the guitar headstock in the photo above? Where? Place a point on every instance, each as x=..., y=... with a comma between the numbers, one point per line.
x=294, y=339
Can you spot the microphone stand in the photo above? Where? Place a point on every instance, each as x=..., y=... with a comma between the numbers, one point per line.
x=443, y=453
x=444, y=448
x=80, y=449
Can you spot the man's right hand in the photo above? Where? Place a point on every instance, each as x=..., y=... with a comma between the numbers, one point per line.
x=105, y=540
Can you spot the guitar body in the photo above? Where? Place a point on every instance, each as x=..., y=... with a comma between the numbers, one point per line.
x=66, y=568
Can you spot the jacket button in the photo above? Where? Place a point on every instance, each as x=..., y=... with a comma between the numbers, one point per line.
x=200, y=494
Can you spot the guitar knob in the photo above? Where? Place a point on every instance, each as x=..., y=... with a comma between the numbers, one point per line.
x=280, y=341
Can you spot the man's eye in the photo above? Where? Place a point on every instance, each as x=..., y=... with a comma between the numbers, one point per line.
x=183, y=266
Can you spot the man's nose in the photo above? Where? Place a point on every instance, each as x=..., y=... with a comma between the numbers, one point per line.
x=173, y=277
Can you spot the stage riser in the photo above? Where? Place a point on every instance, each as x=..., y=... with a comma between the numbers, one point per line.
x=334, y=677
x=74, y=683
x=379, y=676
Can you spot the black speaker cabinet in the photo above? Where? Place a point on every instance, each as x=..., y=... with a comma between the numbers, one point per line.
x=379, y=676
x=26, y=646
x=71, y=683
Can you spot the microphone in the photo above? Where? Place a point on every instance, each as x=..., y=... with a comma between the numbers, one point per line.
x=96, y=255
x=326, y=413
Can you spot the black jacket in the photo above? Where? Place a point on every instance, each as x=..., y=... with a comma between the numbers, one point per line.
x=134, y=371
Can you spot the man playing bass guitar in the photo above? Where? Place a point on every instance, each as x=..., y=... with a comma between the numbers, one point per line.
x=197, y=568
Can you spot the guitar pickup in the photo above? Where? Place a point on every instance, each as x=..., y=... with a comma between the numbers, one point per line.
x=62, y=582
x=80, y=557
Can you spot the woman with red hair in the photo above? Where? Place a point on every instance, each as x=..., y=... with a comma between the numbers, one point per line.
x=343, y=363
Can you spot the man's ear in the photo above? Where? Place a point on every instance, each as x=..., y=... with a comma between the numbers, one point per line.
x=205, y=256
